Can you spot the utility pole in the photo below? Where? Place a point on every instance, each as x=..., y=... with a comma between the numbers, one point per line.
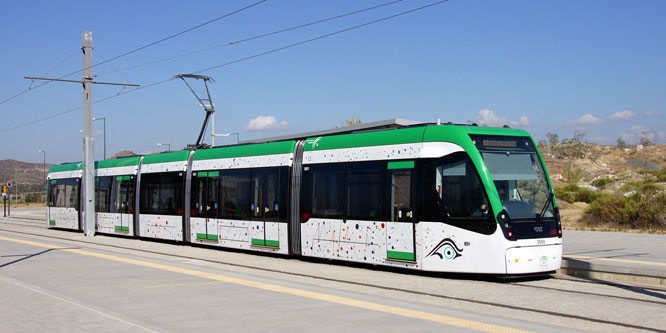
x=88, y=179
x=88, y=159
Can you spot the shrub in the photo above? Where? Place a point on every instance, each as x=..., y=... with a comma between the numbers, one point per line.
x=566, y=193
x=642, y=211
x=601, y=182
x=33, y=197
x=660, y=175
x=573, y=193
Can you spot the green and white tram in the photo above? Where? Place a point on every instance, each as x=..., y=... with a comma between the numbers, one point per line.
x=449, y=198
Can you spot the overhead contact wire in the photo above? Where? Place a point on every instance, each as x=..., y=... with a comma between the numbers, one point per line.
x=259, y=36
x=144, y=47
x=242, y=59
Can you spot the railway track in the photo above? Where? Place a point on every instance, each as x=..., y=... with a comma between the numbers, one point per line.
x=657, y=291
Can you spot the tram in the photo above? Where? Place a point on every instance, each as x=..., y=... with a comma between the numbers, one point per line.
x=432, y=197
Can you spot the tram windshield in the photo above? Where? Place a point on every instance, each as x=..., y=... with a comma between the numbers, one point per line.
x=518, y=174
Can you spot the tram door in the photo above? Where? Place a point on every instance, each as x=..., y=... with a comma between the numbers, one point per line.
x=122, y=194
x=264, y=206
x=400, y=234
x=206, y=201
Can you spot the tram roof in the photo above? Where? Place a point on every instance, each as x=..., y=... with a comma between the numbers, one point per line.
x=373, y=126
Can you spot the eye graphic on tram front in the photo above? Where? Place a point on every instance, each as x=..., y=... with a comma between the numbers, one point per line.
x=446, y=249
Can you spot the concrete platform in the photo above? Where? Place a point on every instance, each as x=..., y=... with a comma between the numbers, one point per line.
x=615, y=256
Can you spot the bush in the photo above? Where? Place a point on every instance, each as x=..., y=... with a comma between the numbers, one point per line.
x=572, y=193
x=601, y=182
x=640, y=211
x=33, y=197
x=660, y=175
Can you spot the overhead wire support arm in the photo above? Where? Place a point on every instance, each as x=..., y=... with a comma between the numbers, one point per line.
x=80, y=81
x=206, y=103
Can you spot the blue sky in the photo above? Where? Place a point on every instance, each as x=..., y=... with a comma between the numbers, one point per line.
x=558, y=66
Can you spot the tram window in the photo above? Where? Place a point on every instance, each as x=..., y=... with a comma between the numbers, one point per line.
x=102, y=194
x=122, y=195
x=65, y=193
x=212, y=197
x=458, y=190
x=283, y=194
x=235, y=194
x=258, y=189
x=327, y=191
x=401, y=189
x=161, y=193
x=272, y=200
x=364, y=191
x=198, y=195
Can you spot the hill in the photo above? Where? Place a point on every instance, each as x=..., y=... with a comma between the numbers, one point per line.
x=22, y=172
x=609, y=188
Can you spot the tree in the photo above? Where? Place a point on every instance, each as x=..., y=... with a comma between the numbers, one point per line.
x=553, y=138
x=621, y=143
x=645, y=140
x=352, y=121
x=349, y=122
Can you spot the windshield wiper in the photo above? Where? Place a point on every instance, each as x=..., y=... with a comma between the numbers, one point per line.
x=545, y=206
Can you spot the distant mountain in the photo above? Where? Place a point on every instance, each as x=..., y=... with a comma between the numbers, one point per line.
x=22, y=172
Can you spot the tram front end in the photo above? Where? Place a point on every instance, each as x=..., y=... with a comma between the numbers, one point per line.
x=524, y=201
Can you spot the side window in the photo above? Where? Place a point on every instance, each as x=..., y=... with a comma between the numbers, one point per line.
x=161, y=193
x=272, y=204
x=72, y=188
x=283, y=194
x=327, y=191
x=235, y=194
x=364, y=191
x=102, y=194
x=459, y=193
x=198, y=195
x=257, y=204
x=64, y=193
x=53, y=192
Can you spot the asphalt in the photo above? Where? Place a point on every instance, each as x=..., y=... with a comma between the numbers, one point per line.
x=609, y=256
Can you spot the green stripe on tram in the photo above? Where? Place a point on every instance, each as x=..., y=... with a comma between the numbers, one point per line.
x=259, y=242
x=121, y=228
x=176, y=156
x=208, y=173
x=118, y=162
x=400, y=165
x=267, y=243
x=123, y=178
x=66, y=167
x=367, y=139
x=51, y=222
x=270, y=148
x=202, y=236
x=400, y=255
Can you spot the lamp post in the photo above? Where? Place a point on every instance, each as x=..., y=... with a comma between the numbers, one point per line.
x=44, y=168
x=104, y=119
x=229, y=134
x=165, y=144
